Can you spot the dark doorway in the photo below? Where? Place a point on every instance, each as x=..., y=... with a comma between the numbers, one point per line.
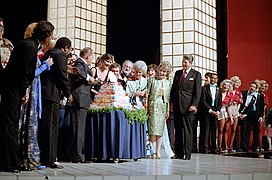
x=133, y=30
x=18, y=15
x=133, y=27
x=222, y=46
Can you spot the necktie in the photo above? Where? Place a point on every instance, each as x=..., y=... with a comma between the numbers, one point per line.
x=183, y=77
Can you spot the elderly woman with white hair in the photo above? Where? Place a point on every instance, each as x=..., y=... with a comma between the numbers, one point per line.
x=136, y=88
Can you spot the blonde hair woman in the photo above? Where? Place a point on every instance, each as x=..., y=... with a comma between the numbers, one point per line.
x=226, y=88
x=34, y=107
x=159, y=89
x=233, y=109
x=262, y=131
x=29, y=30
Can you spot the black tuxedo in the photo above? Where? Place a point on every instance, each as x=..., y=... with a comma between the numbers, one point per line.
x=20, y=70
x=15, y=78
x=208, y=123
x=81, y=93
x=183, y=96
x=259, y=104
x=254, y=110
x=54, y=82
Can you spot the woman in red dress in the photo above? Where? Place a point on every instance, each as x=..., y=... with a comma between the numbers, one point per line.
x=233, y=110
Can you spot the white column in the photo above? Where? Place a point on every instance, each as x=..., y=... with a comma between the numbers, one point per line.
x=189, y=27
x=82, y=21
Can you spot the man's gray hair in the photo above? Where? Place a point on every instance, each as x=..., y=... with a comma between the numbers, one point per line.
x=128, y=62
x=189, y=57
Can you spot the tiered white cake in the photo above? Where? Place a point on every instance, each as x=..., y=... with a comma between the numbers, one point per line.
x=112, y=95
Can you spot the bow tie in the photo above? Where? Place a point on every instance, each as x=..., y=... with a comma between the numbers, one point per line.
x=251, y=94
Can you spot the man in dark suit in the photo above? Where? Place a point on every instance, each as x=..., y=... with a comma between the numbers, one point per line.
x=15, y=78
x=198, y=117
x=81, y=92
x=184, y=98
x=54, y=82
x=211, y=103
x=251, y=114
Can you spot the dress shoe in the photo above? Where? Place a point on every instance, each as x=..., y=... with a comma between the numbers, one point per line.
x=204, y=151
x=16, y=171
x=176, y=157
x=12, y=170
x=84, y=161
x=187, y=158
x=254, y=150
x=81, y=161
x=25, y=168
x=116, y=160
x=213, y=152
x=54, y=166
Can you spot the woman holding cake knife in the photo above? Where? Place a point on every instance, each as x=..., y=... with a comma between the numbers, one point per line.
x=100, y=71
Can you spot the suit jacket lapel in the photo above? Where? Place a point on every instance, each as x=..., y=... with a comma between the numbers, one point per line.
x=216, y=92
x=179, y=78
x=216, y=97
x=209, y=91
x=244, y=96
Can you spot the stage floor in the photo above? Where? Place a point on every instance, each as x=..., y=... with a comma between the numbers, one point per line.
x=201, y=167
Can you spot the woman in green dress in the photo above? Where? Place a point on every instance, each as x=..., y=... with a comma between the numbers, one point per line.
x=158, y=90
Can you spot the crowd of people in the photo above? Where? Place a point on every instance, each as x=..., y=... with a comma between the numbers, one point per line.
x=48, y=90
x=228, y=115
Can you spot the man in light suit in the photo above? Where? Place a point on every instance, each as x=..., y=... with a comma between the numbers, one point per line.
x=184, y=99
x=81, y=92
x=211, y=103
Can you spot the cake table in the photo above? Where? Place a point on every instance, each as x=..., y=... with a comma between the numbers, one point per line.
x=110, y=135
